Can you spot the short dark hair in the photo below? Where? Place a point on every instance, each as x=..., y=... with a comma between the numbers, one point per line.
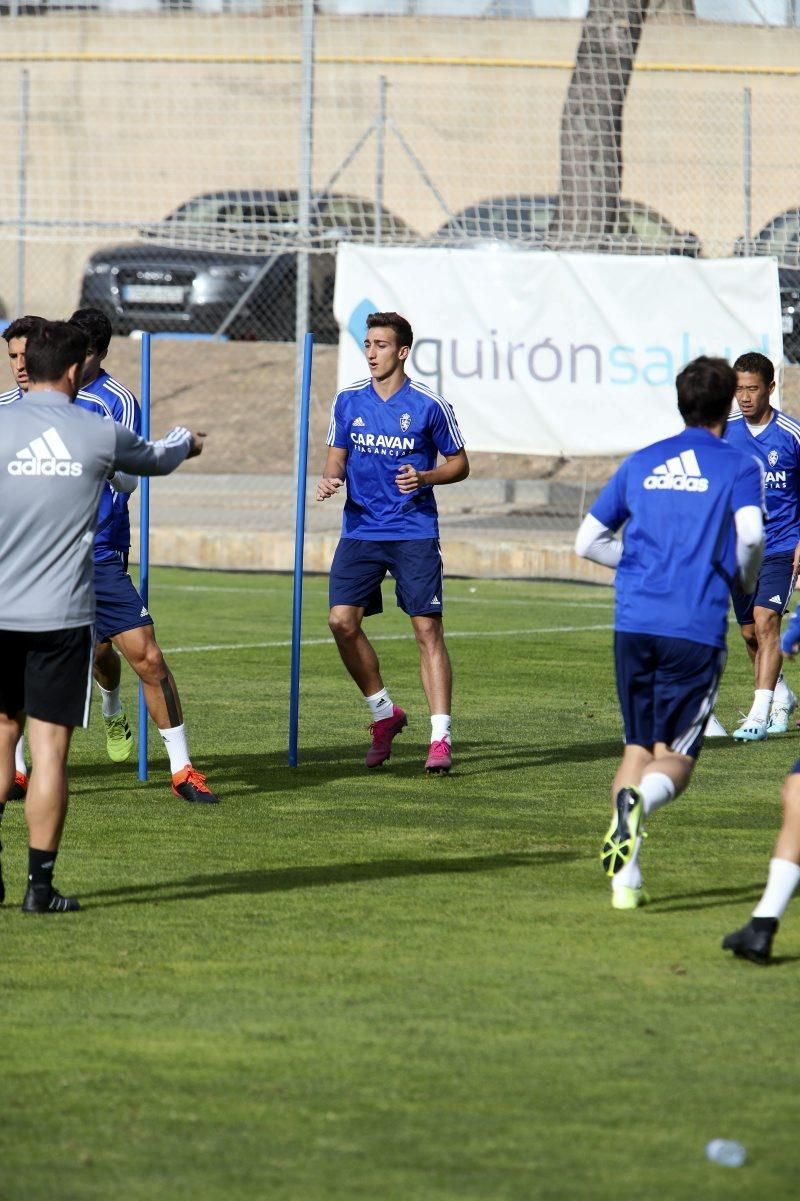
x=401, y=327
x=756, y=364
x=706, y=388
x=23, y=327
x=96, y=326
x=52, y=348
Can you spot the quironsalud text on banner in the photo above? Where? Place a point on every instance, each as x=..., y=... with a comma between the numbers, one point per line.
x=557, y=354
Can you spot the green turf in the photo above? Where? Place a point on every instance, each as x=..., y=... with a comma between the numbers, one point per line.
x=349, y=985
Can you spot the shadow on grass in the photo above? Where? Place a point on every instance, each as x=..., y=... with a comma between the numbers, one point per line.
x=286, y=879
x=709, y=898
x=270, y=772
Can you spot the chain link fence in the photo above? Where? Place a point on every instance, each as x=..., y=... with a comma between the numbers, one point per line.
x=152, y=157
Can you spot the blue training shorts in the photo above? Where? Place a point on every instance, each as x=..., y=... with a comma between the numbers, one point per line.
x=359, y=568
x=773, y=589
x=119, y=606
x=667, y=689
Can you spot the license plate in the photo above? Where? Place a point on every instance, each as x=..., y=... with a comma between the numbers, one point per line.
x=152, y=294
x=788, y=323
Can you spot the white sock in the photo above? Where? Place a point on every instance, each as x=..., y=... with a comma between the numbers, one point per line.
x=762, y=702
x=177, y=747
x=440, y=727
x=380, y=705
x=781, y=695
x=111, y=702
x=781, y=882
x=630, y=876
x=657, y=789
x=19, y=757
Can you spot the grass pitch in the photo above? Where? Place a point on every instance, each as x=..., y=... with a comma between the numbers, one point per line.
x=341, y=985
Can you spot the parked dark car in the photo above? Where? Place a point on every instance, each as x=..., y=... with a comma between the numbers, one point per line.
x=528, y=219
x=780, y=238
x=227, y=262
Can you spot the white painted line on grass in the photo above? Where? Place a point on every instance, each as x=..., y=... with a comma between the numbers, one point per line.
x=451, y=600
x=260, y=646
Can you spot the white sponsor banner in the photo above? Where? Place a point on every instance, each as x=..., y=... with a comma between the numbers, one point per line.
x=543, y=353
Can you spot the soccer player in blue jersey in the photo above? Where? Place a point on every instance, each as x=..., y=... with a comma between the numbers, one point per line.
x=691, y=508
x=122, y=619
x=384, y=441
x=763, y=431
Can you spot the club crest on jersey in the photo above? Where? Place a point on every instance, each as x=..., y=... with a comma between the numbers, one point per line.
x=405, y=421
x=772, y=458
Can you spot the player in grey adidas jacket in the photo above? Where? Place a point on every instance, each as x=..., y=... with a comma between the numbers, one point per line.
x=54, y=459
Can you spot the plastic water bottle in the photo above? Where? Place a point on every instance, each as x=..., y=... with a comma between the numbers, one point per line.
x=727, y=1152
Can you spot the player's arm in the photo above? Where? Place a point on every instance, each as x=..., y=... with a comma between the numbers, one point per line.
x=133, y=454
x=123, y=481
x=333, y=472
x=749, y=524
x=597, y=538
x=790, y=638
x=597, y=542
x=451, y=471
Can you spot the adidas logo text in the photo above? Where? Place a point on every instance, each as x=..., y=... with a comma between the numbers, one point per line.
x=680, y=474
x=45, y=456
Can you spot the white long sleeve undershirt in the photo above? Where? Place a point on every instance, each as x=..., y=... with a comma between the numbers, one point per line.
x=594, y=541
x=749, y=522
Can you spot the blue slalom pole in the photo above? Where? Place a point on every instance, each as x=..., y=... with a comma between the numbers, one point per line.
x=299, y=541
x=144, y=539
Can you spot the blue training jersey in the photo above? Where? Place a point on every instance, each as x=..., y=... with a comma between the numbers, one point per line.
x=7, y=398
x=678, y=498
x=778, y=451
x=413, y=426
x=105, y=396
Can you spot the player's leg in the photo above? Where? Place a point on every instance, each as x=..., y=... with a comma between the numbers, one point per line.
x=419, y=586
x=10, y=726
x=436, y=673
x=108, y=676
x=354, y=592
x=118, y=607
x=774, y=586
x=667, y=689
x=142, y=652
x=355, y=650
x=58, y=688
x=754, y=941
x=19, y=784
x=13, y=651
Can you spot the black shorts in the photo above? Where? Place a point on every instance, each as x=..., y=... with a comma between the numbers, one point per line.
x=47, y=674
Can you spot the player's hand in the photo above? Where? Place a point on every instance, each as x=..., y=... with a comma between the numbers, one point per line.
x=796, y=560
x=197, y=444
x=408, y=479
x=328, y=486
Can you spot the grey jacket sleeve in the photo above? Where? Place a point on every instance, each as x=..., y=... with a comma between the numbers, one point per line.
x=135, y=455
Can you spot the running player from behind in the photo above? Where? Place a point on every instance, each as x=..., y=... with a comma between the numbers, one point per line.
x=691, y=508
x=385, y=437
x=122, y=620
